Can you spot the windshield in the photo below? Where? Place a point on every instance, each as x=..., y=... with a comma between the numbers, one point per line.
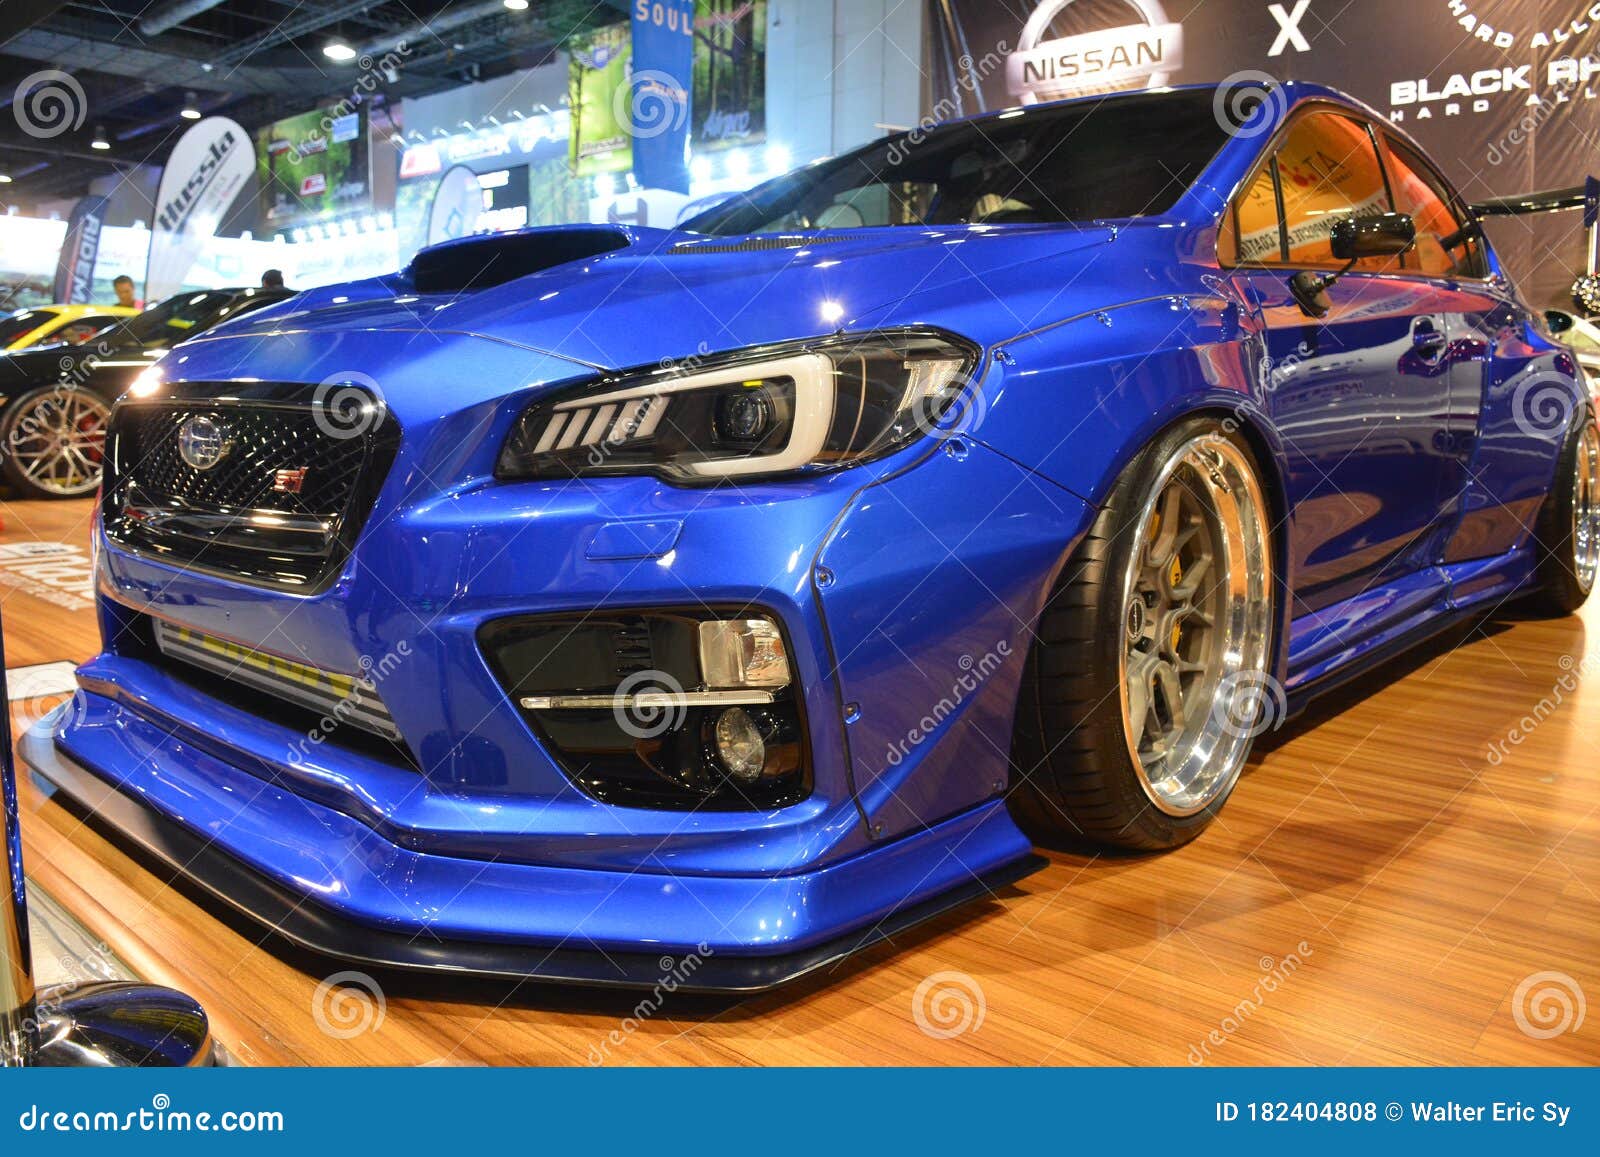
x=21, y=323
x=1126, y=156
x=170, y=322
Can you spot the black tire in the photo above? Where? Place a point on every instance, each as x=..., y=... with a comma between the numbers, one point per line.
x=1073, y=765
x=28, y=427
x=1564, y=535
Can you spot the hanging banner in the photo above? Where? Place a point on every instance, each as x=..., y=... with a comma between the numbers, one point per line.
x=599, y=96
x=79, y=252
x=658, y=92
x=457, y=205
x=208, y=170
x=729, y=105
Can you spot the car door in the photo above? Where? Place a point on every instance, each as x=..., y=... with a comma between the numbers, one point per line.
x=1494, y=359
x=1361, y=397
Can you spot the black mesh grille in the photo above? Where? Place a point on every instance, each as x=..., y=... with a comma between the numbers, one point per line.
x=264, y=442
x=281, y=506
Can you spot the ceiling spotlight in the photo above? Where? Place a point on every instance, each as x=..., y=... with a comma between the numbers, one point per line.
x=517, y=5
x=190, y=110
x=339, y=51
x=100, y=141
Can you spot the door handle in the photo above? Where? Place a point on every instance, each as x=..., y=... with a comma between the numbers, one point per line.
x=1427, y=339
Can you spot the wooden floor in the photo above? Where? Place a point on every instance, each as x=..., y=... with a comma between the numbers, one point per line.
x=1395, y=882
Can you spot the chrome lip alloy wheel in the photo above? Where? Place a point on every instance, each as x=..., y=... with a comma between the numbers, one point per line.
x=1197, y=607
x=1586, y=509
x=59, y=440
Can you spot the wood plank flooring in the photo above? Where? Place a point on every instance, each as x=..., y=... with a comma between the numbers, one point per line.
x=1381, y=890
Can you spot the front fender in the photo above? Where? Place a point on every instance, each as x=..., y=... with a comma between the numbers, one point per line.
x=1076, y=401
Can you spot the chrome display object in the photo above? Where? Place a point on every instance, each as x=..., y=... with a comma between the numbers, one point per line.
x=108, y=1024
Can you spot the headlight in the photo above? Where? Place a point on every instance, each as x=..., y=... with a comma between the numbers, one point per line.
x=773, y=412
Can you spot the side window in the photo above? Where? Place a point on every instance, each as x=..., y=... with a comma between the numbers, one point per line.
x=1328, y=168
x=83, y=329
x=1418, y=191
x=1250, y=232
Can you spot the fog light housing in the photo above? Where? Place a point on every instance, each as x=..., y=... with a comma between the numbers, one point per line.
x=741, y=748
x=692, y=708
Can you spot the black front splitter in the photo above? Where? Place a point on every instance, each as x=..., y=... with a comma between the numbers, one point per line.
x=308, y=924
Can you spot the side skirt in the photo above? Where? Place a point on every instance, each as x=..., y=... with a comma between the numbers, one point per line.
x=1349, y=639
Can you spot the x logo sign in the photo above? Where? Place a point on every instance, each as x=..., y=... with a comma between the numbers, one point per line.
x=1289, y=28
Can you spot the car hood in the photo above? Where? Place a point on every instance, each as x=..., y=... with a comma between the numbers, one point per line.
x=660, y=295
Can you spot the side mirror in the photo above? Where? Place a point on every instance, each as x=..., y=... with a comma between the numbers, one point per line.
x=1352, y=239
x=1556, y=321
x=1378, y=235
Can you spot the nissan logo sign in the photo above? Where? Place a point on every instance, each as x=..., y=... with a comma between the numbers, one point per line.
x=1111, y=58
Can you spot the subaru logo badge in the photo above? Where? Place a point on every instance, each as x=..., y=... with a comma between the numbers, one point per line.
x=203, y=442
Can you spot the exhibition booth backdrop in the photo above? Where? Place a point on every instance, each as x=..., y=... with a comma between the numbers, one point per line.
x=1502, y=94
x=644, y=121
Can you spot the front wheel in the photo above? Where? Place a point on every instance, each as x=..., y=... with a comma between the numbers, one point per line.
x=52, y=441
x=1147, y=681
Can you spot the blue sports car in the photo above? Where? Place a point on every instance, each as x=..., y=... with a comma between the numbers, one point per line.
x=743, y=592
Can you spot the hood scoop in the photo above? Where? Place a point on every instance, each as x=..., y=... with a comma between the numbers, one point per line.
x=474, y=263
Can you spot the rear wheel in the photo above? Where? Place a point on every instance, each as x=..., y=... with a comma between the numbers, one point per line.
x=1568, y=533
x=51, y=441
x=1147, y=680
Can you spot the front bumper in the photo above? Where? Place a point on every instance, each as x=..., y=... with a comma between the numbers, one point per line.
x=251, y=844
x=909, y=633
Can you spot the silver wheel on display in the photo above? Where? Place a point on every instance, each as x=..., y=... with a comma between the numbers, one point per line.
x=1197, y=615
x=1148, y=676
x=53, y=441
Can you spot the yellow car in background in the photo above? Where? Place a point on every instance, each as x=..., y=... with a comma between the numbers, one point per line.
x=72, y=324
